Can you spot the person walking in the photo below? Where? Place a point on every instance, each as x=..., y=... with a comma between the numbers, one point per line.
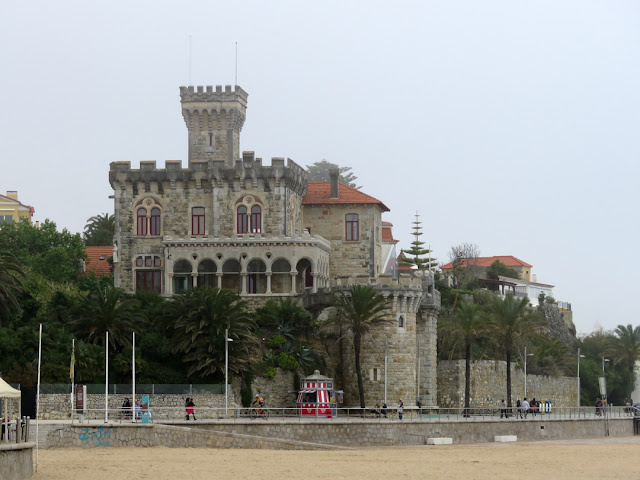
x=191, y=409
x=400, y=408
x=518, y=409
x=525, y=407
x=503, y=409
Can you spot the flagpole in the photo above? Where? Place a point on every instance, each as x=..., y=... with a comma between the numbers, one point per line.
x=73, y=373
x=38, y=394
x=133, y=385
x=106, y=378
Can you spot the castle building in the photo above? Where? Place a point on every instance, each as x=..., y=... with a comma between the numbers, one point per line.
x=264, y=231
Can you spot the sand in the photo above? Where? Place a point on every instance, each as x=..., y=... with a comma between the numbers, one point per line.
x=601, y=458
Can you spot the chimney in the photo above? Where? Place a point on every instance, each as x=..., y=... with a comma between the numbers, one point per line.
x=334, y=173
x=12, y=194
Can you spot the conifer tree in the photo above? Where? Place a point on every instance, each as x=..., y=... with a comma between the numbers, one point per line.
x=421, y=256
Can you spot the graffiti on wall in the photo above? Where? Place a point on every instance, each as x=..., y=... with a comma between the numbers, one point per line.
x=98, y=436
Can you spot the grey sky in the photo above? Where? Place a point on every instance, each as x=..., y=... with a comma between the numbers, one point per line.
x=512, y=125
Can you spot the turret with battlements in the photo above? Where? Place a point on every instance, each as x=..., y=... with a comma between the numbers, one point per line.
x=214, y=119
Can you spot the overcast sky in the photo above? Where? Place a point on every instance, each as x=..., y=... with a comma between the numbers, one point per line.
x=511, y=125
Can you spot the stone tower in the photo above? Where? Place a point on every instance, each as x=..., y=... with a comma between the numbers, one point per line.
x=214, y=120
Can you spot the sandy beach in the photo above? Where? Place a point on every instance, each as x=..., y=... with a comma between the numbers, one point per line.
x=612, y=458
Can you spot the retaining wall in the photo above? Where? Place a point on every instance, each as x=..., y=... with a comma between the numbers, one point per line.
x=489, y=385
x=332, y=433
x=16, y=460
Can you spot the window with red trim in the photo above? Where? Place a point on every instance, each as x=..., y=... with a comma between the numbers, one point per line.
x=242, y=219
x=154, y=222
x=197, y=221
x=256, y=219
x=142, y=221
x=352, y=229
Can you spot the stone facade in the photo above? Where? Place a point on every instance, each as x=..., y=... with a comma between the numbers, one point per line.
x=489, y=385
x=264, y=231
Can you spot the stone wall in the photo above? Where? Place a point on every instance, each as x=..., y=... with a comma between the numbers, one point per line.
x=489, y=385
x=322, y=434
x=163, y=406
x=16, y=460
x=279, y=391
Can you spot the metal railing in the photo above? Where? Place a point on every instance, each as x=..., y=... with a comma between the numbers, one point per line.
x=411, y=414
x=141, y=388
x=14, y=431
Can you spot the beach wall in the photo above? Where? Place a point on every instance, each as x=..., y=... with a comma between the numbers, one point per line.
x=489, y=385
x=334, y=433
x=16, y=460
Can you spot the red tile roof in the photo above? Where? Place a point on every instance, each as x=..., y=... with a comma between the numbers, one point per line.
x=318, y=193
x=97, y=260
x=508, y=260
x=387, y=234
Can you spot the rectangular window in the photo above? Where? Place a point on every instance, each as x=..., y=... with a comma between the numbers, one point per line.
x=352, y=233
x=374, y=375
x=149, y=280
x=197, y=221
x=6, y=218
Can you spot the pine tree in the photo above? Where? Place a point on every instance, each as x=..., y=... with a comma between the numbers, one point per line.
x=421, y=256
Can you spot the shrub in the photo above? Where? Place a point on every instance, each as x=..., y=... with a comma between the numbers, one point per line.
x=286, y=361
x=276, y=341
x=270, y=373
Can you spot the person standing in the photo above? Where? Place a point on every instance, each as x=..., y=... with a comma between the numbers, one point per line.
x=191, y=409
x=384, y=410
x=518, y=408
x=400, y=408
x=503, y=409
x=525, y=407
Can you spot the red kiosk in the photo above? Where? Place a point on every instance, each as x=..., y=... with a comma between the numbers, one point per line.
x=317, y=397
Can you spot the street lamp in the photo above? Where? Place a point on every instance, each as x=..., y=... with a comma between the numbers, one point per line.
x=226, y=372
x=579, y=357
x=525, y=370
x=604, y=360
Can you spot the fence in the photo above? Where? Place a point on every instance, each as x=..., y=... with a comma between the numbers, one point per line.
x=142, y=388
x=410, y=414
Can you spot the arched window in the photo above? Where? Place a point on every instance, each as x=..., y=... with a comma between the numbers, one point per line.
x=154, y=223
x=256, y=219
x=142, y=221
x=242, y=219
x=352, y=228
x=197, y=221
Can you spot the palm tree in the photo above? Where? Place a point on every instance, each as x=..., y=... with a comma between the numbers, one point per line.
x=466, y=326
x=12, y=277
x=625, y=349
x=99, y=230
x=198, y=319
x=104, y=311
x=359, y=310
x=511, y=321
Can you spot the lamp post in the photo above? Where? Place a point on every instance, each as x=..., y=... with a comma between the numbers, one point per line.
x=226, y=372
x=579, y=357
x=604, y=360
x=525, y=370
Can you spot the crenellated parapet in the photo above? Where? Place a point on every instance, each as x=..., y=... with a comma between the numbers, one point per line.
x=214, y=119
x=246, y=173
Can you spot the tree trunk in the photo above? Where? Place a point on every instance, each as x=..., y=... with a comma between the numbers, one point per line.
x=467, y=377
x=356, y=348
x=509, y=376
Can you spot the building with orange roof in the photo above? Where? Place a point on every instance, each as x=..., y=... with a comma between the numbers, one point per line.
x=482, y=264
x=263, y=231
x=98, y=260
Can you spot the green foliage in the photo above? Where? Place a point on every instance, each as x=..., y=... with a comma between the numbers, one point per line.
x=287, y=361
x=319, y=172
x=198, y=319
x=90, y=282
x=422, y=259
x=246, y=390
x=499, y=269
x=624, y=350
x=269, y=373
x=276, y=341
x=12, y=278
x=99, y=230
x=45, y=251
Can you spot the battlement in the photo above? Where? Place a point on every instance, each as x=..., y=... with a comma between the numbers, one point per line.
x=208, y=94
x=247, y=171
